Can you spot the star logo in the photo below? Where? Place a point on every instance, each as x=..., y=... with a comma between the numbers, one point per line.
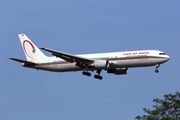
x=33, y=51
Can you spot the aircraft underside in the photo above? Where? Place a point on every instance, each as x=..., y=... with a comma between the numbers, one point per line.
x=122, y=65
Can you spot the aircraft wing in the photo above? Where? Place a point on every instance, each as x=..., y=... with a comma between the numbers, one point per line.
x=68, y=57
x=23, y=61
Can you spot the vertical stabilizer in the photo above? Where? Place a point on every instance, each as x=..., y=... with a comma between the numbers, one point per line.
x=31, y=51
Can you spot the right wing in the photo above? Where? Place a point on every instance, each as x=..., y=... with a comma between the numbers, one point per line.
x=68, y=57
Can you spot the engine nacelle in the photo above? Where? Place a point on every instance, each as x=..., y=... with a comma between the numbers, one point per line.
x=118, y=71
x=100, y=64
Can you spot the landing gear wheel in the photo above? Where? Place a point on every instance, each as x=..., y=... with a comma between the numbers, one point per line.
x=86, y=73
x=156, y=71
x=95, y=76
x=98, y=77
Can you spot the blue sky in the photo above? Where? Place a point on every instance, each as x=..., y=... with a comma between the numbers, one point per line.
x=79, y=27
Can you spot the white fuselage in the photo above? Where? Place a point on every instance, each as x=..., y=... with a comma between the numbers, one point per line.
x=125, y=59
x=113, y=62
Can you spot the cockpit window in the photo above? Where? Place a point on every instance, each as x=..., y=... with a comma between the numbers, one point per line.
x=162, y=54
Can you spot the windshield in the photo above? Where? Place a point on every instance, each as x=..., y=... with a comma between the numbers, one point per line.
x=162, y=54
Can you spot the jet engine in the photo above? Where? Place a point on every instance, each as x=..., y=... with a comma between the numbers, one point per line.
x=118, y=71
x=100, y=64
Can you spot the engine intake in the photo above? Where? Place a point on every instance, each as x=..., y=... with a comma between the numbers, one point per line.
x=118, y=71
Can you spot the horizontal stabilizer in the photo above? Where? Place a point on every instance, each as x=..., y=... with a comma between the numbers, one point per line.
x=23, y=61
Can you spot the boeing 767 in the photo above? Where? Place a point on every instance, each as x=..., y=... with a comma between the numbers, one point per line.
x=113, y=62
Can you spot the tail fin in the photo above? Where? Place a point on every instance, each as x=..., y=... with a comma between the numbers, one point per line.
x=31, y=51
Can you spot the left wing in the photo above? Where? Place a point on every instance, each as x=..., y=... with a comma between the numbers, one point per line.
x=68, y=57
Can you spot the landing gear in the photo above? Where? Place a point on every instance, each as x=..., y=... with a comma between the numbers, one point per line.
x=95, y=76
x=156, y=71
x=98, y=76
x=157, y=66
x=86, y=73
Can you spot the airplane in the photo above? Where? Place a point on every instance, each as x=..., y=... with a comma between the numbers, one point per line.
x=113, y=62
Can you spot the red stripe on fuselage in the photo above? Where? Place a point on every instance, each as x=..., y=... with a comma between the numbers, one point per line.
x=108, y=60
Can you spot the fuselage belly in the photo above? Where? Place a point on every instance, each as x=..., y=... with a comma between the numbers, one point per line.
x=116, y=64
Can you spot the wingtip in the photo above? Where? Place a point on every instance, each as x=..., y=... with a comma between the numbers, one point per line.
x=10, y=58
x=41, y=48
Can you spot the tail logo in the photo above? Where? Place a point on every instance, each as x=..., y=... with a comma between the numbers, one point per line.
x=33, y=48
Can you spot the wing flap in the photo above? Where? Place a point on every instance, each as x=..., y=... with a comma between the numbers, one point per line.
x=68, y=57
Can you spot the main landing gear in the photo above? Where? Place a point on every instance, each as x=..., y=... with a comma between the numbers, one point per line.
x=95, y=76
x=157, y=66
x=98, y=76
x=86, y=73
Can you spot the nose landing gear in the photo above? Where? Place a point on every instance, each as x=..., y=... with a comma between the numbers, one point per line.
x=157, y=66
x=156, y=71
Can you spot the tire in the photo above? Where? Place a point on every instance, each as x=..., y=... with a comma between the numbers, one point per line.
x=84, y=73
x=100, y=77
x=88, y=74
x=156, y=71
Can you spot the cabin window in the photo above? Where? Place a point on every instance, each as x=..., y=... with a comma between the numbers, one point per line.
x=162, y=54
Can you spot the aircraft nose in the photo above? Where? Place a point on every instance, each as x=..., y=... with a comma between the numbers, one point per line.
x=168, y=57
